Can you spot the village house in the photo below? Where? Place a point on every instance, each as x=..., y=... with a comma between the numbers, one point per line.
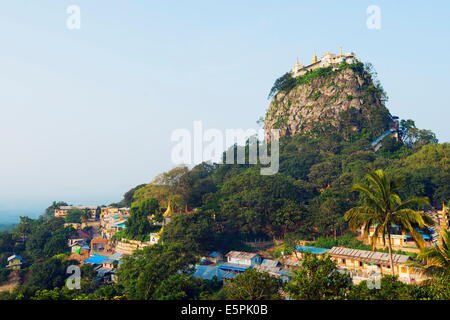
x=81, y=235
x=108, y=210
x=243, y=258
x=77, y=245
x=214, y=257
x=399, y=238
x=238, y=261
x=274, y=268
x=300, y=251
x=74, y=225
x=441, y=222
x=212, y=272
x=124, y=211
x=112, y=228
x=61, y=212
x=362, y=264
x=106, y=268
x=15, y=262
x=154, y=238
x=112, y=221
x=293, y=260
x=99, y=245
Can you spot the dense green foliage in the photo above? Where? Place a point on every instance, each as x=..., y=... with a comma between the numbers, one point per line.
x=318, y=279
x=195, y=231
x=143, y=273
x=138, y=225
x=252, y=285
x=383, y=207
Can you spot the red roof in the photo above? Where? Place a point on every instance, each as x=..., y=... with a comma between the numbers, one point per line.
x=99, y=240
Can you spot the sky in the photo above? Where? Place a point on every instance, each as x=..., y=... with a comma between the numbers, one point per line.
x=87, y=114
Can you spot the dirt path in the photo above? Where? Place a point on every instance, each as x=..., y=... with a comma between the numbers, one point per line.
x=12, y=282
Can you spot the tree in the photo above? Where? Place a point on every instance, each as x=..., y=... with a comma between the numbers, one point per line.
x=390, y=289
x=74, y=215
x=48, y=274
x=195, y=230
x=25, y=227
x=414, y=137
x=48, y=238
x=329, y=209
x=437, y=257
x=172, y=185
x=178, y=287
x=86, y=214
x=284, y=83
x=253, y=204
x=56, y=244
x=383, y=207
x=142, y=273
x=318, y=279
x=138, y=225
x=252, y=285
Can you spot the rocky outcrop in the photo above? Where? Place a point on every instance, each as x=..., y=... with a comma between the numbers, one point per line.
x=344, y=100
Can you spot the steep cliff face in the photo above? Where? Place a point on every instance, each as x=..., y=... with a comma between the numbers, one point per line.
x=344, y=101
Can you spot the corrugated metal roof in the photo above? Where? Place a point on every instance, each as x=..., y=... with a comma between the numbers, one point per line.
x=208, y=273
x=234, y=266
x=116, y=256
x=269, y=263
x=370, y=256
x=241, y=255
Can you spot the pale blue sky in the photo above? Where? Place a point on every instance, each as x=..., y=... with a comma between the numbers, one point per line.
x=87, y=114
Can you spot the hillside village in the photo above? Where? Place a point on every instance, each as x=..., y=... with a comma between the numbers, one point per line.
x=97, y=248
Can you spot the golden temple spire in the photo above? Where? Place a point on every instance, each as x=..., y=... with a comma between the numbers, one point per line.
x=314, y=59
x=169, y=212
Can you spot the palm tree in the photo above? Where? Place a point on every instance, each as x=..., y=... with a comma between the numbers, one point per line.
x=382, y=207
x=86, y=214
x=437, y=258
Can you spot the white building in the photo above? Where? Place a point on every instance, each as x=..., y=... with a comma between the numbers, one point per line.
x=243, y=258
x=328, y=60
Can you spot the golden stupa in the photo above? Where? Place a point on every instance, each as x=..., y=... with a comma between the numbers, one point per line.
x=169, y=211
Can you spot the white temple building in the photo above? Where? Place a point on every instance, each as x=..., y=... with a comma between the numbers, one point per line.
x=328, y=60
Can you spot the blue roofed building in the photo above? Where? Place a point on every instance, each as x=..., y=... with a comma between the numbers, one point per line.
x=15, y=262
x=294, y=260
x=238, y=261
x=96, y=260
x=313, y=250
x=211, y=272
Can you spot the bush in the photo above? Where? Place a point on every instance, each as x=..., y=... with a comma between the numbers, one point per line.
x=284, y=83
